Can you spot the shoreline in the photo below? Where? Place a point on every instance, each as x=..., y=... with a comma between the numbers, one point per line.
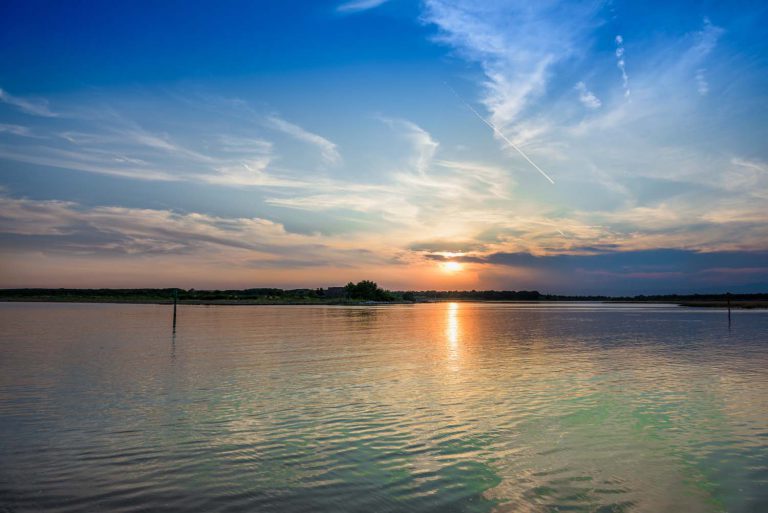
x=208, y=302
x=735, y=305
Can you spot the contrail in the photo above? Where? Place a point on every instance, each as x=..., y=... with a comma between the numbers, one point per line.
x=500, y=134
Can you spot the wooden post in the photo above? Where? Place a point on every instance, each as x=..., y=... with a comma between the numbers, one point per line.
x=175, y=300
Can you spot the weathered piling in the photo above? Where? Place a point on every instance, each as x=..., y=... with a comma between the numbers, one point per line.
x=175, y=300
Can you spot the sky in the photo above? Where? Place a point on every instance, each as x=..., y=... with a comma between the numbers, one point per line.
x=602, y=147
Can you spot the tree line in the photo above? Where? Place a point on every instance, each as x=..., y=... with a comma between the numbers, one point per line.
x=365, y=290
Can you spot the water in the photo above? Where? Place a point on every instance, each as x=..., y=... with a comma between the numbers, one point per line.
x=413, y=408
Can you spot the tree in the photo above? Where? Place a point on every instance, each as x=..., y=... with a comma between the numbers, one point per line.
x=367, y=290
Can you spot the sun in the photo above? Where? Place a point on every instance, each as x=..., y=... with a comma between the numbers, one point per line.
x=451, y=267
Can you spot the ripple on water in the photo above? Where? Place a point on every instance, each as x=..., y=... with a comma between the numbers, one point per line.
x=424, y=408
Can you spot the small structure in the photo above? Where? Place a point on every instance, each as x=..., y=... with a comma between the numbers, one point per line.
x=335, y=292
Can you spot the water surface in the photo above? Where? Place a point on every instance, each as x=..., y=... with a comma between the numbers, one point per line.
x=436, y=407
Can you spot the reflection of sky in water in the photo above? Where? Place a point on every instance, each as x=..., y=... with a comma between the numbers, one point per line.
x=437, y=407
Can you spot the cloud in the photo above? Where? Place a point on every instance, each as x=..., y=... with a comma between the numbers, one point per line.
x=251, y=173
x=34, y=107
x=701, y=82
x=748, y=178
x=77, y=236
x=476, y=204
x=143, y=156
x=126, y=133
x=328, y=149
x=62, y=227
x=68, y=227
x=19, y=130
x=587, y=97
x=103, y=141
x=515, y=43
x=494, y=181
x=664, y=170
x=122, y=148
x=629, y=272
x=359, y=5
x=90, y=162
x=635, y=175
x=664, y=270
x=622, y=65
x=706, y=38
x=423, y=145
x=449, y=196
x=706, y=41
x=245, y=145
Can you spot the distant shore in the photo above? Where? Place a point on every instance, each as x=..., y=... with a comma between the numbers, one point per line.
x=364, y=293
x=206, y=302
x=743, y=305
x=736, y=305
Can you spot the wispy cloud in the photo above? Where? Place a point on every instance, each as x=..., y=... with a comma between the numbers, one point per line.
x=328, y=149
x=706, y=41
x=67, y=227
x=135, y=245
x=516, y=44
x=359, y=5
x=424, y=146
x=90, y=162
x=19, y=130
x=702, y=86
x=665, y=169
x=621, y=63
x=123, y=148
x=707, y=38
x=34, y=107
x=449, y=196
x=251, y=173
x=748, y=177
x=651, y=194
x=245, y=145
x=587, y=97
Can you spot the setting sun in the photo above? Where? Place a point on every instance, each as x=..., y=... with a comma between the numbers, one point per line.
x=451, y=267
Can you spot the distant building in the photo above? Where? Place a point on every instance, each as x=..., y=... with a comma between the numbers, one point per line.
x=335, y=292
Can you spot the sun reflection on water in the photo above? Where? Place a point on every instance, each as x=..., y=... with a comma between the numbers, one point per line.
x=452, y=330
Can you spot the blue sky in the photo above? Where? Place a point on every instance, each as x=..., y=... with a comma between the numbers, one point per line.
x=238, y=144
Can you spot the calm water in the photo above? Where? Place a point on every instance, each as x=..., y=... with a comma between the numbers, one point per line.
x=439, y=407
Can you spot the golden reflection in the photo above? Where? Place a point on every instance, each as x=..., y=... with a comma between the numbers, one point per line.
x=452, y=330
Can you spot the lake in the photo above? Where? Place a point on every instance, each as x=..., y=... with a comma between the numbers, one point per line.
x=445, y=407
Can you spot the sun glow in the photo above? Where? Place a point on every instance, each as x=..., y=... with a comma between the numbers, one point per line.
x=451, y=267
